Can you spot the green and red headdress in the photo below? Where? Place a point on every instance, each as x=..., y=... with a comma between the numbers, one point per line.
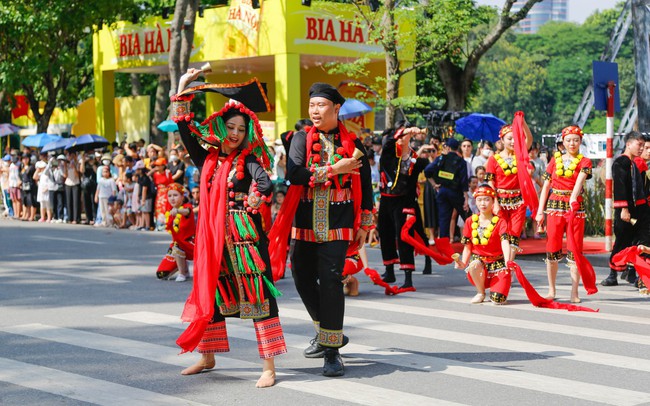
x=213, y=131
x=246, y=98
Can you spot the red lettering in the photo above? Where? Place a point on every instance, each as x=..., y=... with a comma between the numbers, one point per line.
x=320, y=29
x=159, y=46
x=329, y=31
x=148, y=42
x=311, y=28
x=346, y=30
x=123, y=48
x=136, y=44
x=358, y=36
x=169, y=39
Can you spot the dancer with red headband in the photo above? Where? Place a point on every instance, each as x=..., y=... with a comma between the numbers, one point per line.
x=565, y=177
x=487, y=244
x=180, y=224
x=502, y=171
x=328, y=210
x=232, y=272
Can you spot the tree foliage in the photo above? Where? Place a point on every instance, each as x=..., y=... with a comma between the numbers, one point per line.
x=545, y=74
x=46, y=47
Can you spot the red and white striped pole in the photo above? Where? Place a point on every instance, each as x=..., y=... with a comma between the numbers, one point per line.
x=609, y=160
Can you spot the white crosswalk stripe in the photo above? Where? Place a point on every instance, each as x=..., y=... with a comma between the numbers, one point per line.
x=358, y=391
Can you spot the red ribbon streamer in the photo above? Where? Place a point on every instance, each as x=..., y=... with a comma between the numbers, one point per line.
x=442, y=258
x=539, y=301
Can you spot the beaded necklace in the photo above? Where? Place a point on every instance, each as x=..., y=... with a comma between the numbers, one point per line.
x=559, y=165
x=507, y=169
x=478, y=239
x=176, y=222
x=314, y=159
x=254, y=199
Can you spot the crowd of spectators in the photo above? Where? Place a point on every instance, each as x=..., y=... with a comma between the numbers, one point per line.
x=125, y=186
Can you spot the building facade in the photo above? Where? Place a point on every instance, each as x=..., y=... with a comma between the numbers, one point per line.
x=540, y=14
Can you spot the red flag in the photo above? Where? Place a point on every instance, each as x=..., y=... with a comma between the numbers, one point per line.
x=21, y=106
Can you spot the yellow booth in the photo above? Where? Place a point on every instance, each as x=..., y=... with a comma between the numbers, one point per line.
x=284, y=44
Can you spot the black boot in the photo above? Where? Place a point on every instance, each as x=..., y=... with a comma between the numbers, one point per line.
x=610, y=280
x=389, y=275
x=631, y=274
x=427, y=266
x=408, y=281
x=315, y=350
x=333, y=365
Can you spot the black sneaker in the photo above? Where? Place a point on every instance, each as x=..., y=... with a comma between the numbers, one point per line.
x=315, y=350
x=611, y=279
x=333, y=365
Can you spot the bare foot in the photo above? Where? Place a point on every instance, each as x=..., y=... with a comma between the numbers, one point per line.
x=575, y=300
x=550, y=295
x=266, y=380
x=206, y=362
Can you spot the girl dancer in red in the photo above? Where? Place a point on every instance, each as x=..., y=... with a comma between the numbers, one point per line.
x=180, y=224
x=565, y=177
x=487, y=242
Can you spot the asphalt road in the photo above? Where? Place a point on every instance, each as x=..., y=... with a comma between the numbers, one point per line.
x=85, y=321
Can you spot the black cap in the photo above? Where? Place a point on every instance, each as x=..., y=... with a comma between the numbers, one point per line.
x=327, y=91
x=376, y=140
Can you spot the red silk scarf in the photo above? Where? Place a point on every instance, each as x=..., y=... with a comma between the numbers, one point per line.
x=210, y=237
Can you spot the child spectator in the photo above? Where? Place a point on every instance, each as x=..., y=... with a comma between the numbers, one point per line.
x=106, y=188
x=471, y=200
x=126, y=195
x=195, y=201
x=119, y=214
x=480, y=174
x=277, y=203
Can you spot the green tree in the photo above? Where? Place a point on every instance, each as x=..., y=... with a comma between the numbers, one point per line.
x=514, y=83
x=45, y=47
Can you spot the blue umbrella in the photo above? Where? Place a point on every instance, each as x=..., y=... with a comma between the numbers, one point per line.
x=8, y=128
x=86, y=142
x=39, y=140
x=168, y=126
x=477, y=126
x=54, y=145
x=353, y=108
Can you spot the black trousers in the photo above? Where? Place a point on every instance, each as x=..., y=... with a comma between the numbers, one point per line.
x=88, y=196
x=57, y=200
x=627, y=234
x=317, y=272
x=391, y=219
x=73, y=202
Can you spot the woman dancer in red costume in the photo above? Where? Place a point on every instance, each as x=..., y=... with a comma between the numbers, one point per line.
x=232, y=273
x=502, y=174
x=565, y=177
